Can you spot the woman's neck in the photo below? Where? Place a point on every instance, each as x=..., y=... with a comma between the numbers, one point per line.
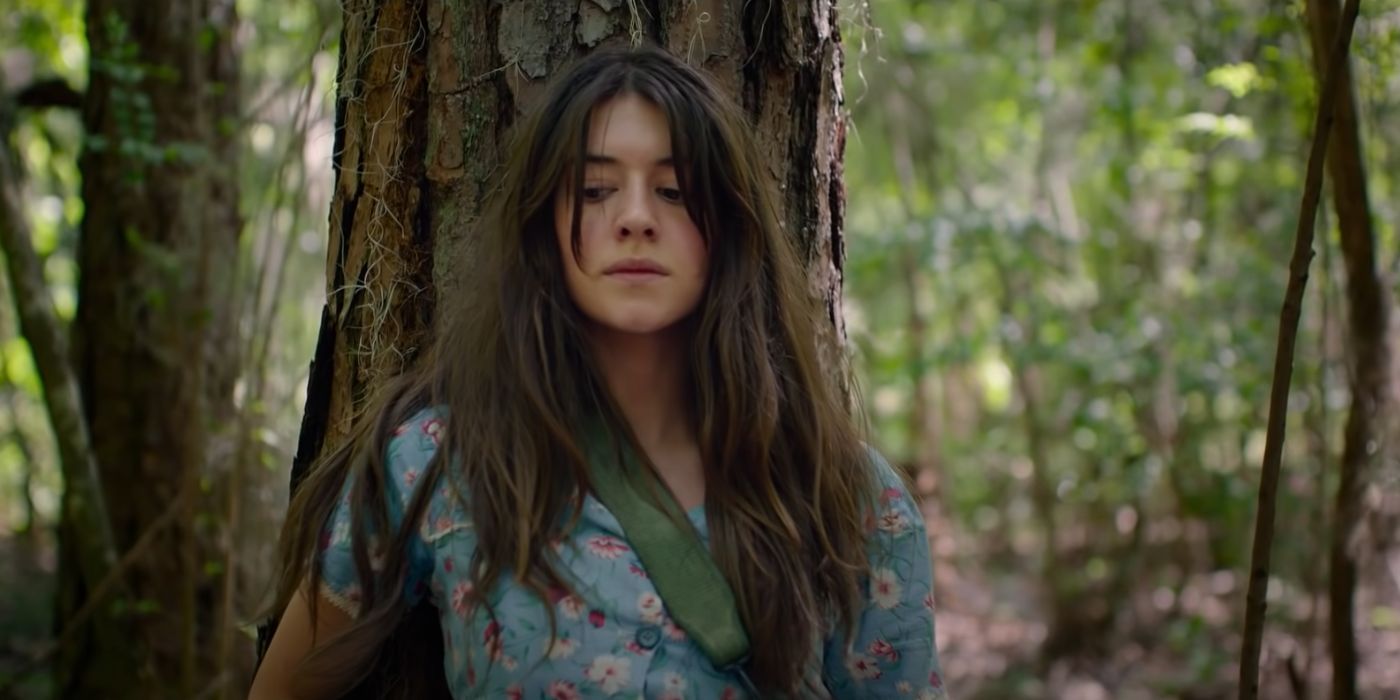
x=646, y=374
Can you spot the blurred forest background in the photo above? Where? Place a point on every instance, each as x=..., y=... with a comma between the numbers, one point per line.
x=1067, y=233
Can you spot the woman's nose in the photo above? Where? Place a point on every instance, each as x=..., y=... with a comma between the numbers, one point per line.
x=637, y=216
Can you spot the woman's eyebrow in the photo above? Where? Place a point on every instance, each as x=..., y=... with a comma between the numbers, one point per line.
x=600, y=159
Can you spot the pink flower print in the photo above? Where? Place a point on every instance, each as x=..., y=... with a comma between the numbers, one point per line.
x=672, y=630
x=637, y=570
x=462, y=598
x=883, y=650
x=515, y=692
x=447, y=564
x=554, y=593
x=884, y=588
x=606, y=547
x=433, y=429
x=928, y=601
x=609, y=672
x=562, y=690
x=400, y=430
x=595, y=618
x=649, y=605
x=571, y=606
x=863, y=667
x=730, y=693
x=491, y=639
x=889, y=494
x=410, y=476
x=635, y=648
x=934, y=679
x=893, y=522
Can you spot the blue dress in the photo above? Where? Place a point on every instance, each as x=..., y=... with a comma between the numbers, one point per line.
x=614, y=637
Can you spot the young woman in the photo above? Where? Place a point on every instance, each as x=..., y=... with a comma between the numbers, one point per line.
x=631, y=287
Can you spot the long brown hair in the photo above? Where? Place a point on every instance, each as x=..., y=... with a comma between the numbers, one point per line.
x=787, y=478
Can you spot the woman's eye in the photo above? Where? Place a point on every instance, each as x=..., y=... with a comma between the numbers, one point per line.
x=670, y=194
x=593, y=194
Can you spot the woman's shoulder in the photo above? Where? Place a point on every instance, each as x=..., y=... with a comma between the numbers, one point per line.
x=412, y=446
x=414, y=441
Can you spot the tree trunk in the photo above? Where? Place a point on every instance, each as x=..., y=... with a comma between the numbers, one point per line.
x=1368, y=309
x=424, y=105
x=152, y=335
x=427, y=92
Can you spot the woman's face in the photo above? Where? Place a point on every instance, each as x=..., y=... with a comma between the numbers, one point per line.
x=642, y=262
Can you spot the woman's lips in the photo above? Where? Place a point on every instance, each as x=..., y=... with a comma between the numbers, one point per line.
x=635, y=269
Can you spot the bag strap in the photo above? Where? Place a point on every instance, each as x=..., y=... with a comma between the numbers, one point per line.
x=676, y=560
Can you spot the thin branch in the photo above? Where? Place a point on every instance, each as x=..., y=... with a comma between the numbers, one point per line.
x=40, y=326
x=1256, y=601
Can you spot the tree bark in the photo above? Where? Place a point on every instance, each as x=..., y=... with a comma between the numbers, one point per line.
x=152, y=336
x=1368, y=310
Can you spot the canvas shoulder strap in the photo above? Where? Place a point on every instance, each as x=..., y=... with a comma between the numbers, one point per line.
x=694, y=591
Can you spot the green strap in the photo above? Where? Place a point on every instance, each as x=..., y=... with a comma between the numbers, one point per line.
x=677, y=561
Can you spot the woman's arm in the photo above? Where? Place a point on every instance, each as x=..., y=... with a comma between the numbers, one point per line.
x=293, y=641
x=893, y=652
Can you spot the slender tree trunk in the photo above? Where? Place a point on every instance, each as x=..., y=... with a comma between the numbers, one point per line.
x=153, y=334
x=1368, y=311
x=1255, y=598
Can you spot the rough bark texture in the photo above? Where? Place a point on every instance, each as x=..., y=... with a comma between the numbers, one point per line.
x=425, y=103
x=1368, y=313
x=153, y=335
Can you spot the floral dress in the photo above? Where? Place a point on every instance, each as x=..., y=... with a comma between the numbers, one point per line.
x=614, y=637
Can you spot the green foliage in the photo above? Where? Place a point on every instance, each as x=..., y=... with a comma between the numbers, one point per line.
x=1099, y=200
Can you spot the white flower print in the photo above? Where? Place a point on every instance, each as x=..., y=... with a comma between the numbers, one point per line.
x=433, y=429
x=609, y=672
x=563, y=648
x=904, y=688
x=862, y=666
x=649, y=605
x=674, y=687
x=340, y=533
x=885, y=588
x=571, y=606
x=606, y=547
x=893, y=521
x=933, y=694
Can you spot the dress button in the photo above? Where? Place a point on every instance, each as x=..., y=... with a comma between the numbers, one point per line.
x=648, y=636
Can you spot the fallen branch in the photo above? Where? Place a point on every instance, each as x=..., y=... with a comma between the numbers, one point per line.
x=1256, y=599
